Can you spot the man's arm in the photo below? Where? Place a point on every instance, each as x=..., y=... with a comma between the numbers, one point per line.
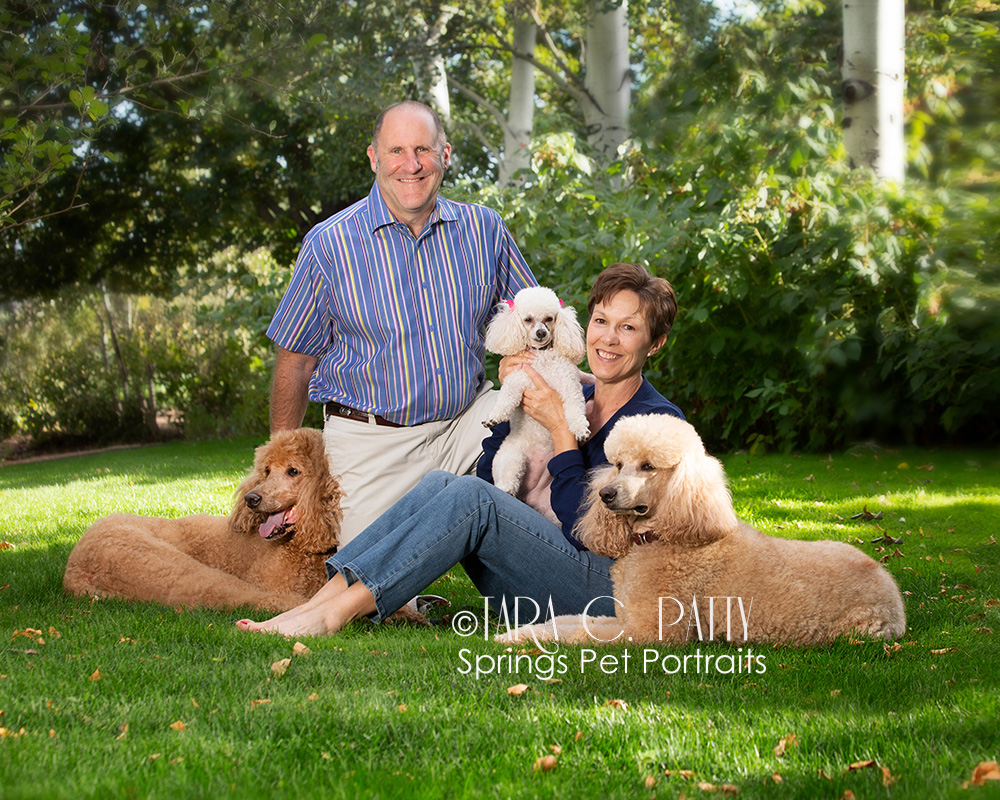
x=290, y=389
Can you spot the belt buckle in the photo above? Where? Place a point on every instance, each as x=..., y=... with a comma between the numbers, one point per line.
x=344, y=411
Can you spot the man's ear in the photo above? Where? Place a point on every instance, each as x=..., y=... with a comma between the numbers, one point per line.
x=446, y=155
x=373, y=158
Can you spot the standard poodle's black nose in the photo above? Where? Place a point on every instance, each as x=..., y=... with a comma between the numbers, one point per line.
x=252, y=499
x=608, y=494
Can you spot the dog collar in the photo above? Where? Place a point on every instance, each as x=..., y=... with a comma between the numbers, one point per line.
x=644, y=538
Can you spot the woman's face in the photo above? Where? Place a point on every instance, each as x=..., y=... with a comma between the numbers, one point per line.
x=618, y=338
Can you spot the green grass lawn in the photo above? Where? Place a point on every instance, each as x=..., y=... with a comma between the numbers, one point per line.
x=110, y=699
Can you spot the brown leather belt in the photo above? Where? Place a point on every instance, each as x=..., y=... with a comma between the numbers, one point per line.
x=336, y=409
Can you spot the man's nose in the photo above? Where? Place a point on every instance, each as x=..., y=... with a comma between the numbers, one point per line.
x=412, y=163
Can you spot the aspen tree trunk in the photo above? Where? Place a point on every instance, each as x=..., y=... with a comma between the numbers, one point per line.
x=429, y=69
x=873, y=87
x=521, y=105
x=608, y=78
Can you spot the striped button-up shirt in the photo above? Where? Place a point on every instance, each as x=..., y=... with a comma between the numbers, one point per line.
x=397, y=322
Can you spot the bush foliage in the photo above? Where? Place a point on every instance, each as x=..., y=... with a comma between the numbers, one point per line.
x=818, y=307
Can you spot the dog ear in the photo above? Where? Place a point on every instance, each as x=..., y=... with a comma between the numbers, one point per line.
x=505, y=334
x=241, y=518
x=598, y=529
x=569, y=339
x=317, y=524
x=696, y=507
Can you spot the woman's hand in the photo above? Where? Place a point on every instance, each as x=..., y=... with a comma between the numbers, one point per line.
x=509, y=364
x=544, y=404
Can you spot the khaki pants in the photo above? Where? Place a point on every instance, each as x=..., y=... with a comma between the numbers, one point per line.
x=377, y=464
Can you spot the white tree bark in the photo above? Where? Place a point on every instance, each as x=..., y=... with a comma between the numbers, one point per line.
x=874, y=85
x=521, y=105
x=429, y=69
x=608, y=78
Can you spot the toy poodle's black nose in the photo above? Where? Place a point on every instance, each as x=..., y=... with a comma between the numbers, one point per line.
x=252, y=499
x=541, y=333
x=608, y=494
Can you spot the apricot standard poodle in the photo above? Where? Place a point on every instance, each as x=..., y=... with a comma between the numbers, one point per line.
x=688, y=569
x=268, y=553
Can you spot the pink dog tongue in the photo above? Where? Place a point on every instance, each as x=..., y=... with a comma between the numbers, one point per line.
x=267, y=527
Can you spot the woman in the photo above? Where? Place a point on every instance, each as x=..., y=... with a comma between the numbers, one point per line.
x=508, y=549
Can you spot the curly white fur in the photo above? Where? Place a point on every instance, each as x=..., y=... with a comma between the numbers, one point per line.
x=535, y=320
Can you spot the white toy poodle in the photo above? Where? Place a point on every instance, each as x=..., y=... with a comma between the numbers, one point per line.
x=535, y=320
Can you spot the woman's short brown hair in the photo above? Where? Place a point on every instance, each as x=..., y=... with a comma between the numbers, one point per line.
x=657, y=300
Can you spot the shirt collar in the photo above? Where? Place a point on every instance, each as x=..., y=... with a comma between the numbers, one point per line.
x=380, y=215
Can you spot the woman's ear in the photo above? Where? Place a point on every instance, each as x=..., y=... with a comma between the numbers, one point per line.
x=656, y=345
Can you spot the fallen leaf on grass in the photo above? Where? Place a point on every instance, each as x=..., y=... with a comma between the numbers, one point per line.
x=650, y=781
x=279, y=668
x=178, y=725
x=687, y=774
x=865, y=514
x=784, y=743
x=725, y=788
x=255, y=703
x=517, y=689
x=616, y=703
x=545, y=764
x=887, y=777
x=556, y=749
x=401, y=708
x=776, y=777
x=985, y=631
x=299, y=649
x=5, y=545
x=861, y=765
x=847, y=795
x=984, y=771
x=944, y=650
x=95, y=675
x=124, y=732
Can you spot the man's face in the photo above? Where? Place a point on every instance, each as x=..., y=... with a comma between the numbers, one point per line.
x=409, y=164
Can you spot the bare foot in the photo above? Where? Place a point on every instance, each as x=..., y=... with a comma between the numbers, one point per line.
x=327, y=612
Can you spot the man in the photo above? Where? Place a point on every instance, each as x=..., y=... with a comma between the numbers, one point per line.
x=383, y=322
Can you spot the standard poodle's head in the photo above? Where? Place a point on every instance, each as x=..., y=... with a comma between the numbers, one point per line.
x=536, y=319
x=659, y=485
x=290, y=496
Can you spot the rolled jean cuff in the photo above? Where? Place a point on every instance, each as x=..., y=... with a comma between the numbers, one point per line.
x=354, y=575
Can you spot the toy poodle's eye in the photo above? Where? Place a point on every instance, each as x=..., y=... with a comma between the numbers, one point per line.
x=292, y=471
x=267, y=470
x=647, y=467
x=618, y=466
x=528, y=320
x=548, y=318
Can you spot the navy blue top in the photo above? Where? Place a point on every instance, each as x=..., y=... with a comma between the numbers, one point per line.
x=569, y=470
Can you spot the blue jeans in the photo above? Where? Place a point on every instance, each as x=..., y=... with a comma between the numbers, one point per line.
x=508, y=549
